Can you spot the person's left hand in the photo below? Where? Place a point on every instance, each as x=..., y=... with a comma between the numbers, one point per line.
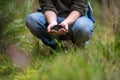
x=64, y=28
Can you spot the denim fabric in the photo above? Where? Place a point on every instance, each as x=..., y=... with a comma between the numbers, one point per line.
x=80, y=32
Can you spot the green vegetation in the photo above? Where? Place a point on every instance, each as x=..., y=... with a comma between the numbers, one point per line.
x=98, y=61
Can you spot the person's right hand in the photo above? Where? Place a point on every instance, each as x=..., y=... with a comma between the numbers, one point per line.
x=50, y=26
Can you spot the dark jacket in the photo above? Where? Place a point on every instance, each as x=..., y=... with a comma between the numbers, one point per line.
x=64, y=7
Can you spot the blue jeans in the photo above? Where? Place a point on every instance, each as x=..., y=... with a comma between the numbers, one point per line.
x=80, y=32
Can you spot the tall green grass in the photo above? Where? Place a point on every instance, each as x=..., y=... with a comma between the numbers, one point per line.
x=98, y=61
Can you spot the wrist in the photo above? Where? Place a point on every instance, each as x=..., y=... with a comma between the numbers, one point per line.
x=69, y=21
x=53, y=22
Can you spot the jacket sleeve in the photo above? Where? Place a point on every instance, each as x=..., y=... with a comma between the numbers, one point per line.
x=81, y=6
x=47, y=5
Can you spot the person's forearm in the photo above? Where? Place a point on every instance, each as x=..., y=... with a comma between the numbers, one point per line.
x=51, y=17
x=72, y=17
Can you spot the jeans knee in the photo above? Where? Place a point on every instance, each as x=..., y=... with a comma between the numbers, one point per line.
x=32, y=23
x=35, y=22
x=30, y=19
x=36, y=18
x=83, y=29
x=83, y=25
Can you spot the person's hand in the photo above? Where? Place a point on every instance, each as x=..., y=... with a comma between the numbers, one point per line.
x=64, y=28
x=50, y=26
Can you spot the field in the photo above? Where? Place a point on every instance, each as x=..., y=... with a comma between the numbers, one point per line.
x=100, y=60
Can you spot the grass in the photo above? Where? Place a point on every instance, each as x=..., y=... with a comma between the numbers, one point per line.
x=98, y=61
